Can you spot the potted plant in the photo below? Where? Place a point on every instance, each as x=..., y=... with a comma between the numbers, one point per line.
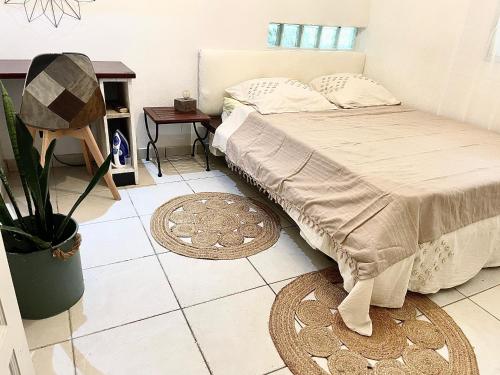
x=42, y=246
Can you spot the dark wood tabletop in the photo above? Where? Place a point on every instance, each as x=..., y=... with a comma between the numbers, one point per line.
x=17, y=69
x=168, y=115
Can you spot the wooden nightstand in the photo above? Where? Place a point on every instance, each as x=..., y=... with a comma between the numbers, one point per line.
x=168, y=115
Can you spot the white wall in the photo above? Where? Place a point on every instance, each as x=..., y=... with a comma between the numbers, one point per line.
x=433, y=55
x=159, y=40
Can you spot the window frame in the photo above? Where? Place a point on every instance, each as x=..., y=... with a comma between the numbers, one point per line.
x=281, y=27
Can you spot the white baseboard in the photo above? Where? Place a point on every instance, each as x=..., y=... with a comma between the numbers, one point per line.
x=168, y=151
x=75, y=159
x=141, y=154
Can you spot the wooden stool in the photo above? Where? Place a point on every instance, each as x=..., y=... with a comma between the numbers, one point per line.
x=88, y=145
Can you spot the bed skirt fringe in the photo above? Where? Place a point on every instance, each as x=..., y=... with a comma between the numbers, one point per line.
x=342, y=254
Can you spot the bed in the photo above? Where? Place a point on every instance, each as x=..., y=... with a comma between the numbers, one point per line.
x=401, y=199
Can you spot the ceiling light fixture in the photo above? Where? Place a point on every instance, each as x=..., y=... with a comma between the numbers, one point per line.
x=53, y=10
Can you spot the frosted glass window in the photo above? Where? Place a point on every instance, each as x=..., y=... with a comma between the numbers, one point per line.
x=273, y=34
x=347, y=36
x=290, y=36
x=309, y=37
x=328, y=38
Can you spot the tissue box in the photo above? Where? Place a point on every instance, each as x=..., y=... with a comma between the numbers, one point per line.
x=185, y=105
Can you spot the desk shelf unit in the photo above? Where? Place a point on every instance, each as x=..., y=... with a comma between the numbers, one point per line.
x=116, y=90
x=115, y=79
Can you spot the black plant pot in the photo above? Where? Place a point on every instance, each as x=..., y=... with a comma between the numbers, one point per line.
x=46, y=286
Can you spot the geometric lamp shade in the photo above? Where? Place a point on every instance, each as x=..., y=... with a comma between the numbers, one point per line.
x=53, y=10
x=61, y=92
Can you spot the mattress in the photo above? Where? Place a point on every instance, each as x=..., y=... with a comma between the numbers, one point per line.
x=445, y=262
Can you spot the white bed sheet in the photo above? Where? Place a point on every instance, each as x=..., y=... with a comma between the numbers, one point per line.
x=447, y=262
x=229, y=126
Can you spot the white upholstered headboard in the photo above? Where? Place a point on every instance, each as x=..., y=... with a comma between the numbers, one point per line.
x=220, y=69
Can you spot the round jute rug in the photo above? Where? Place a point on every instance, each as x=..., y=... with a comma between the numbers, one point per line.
x=311, y=337
x=215, y=226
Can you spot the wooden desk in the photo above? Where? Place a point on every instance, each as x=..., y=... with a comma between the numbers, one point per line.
x=17, y=69
x=114, y=79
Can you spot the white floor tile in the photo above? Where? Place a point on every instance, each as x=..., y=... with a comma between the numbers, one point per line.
x=195, y=168
x=169, y=173
x=113, y=241
x=188, y=164
x=200, y=280
x=97, y=207
x=233, y=333
x=54, y=360
x=202, y=174
x=291, y=256
x=489, y=300
x=147, y=199
x=446, y=296
x=146, y=223
x=121, y=293
x=483, y=332
x=145, y=178
x=226, y=184
x=485, y=279
x=74, y=180
x=159, y=345
x=47, y=331
x=280, y=285
x=213, y=172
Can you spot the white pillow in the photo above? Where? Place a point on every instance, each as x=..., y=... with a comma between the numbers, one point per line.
x=349, y=90
x=278, y=95
x=229, y=106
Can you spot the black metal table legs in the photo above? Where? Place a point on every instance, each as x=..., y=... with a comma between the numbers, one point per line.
x=152, y=143
x=204, y=144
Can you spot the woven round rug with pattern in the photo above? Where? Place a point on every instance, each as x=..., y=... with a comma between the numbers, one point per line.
x=417, y=339
x=215, y=226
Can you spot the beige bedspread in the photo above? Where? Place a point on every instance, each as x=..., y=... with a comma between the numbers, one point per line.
x=377, y=180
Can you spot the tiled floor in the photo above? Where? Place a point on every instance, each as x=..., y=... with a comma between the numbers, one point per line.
x=149, y=311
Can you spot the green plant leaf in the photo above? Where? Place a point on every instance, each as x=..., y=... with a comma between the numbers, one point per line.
x=44, y=177
x=12, y=199
x=49, y=215
x=30, y=162
x=41, y=244
x=11, y=120
x=45, y=185
x=5, y=216
x=103, y=169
